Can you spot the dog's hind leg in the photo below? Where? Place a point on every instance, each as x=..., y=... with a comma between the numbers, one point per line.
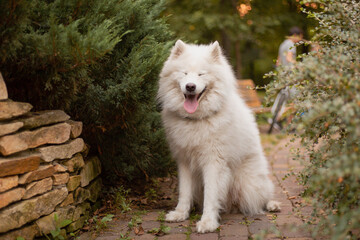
x=273, y=206
x=216, y=182
x=182, y=209
x=255, y=194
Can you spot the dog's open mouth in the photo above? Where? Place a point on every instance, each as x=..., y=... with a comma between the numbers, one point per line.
x=192, y=101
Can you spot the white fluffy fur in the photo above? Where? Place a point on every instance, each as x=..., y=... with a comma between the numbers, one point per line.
x=221, y=164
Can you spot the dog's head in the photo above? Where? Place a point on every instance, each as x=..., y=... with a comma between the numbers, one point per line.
x=195, y=80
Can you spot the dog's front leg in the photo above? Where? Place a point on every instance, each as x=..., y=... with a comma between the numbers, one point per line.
x=216, y=180
x=182, y=210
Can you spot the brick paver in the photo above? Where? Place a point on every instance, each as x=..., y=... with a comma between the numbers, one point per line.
x=282, y=225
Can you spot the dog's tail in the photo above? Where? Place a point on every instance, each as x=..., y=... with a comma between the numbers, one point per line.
x=273, y=206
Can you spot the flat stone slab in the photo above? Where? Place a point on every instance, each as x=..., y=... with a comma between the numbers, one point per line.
x=76, y=128
x=61, y=178
x=28, y=233
x=75, y=163
x=55, y=134
x=95, y=189
x=7, y=183
x=47, y=223
x=18, y=164
x=38, y=119
x=60, y=168
x=68, y=200
x=23, y=212
x=63, y=151
x=40, y=173
x=81, y=194
x=10, y=109
x=90, y=171
x=80, y=210
x=11, y=196
x=74, y=182
x=3, y=89
x=7, y=128
x=76, y=225
x=38, y=187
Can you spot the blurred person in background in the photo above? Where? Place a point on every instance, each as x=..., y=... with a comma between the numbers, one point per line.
x=286, y=57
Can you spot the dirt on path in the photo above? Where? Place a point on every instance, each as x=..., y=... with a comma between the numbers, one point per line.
x=146, y=225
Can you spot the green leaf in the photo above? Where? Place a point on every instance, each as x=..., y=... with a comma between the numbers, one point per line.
x=64, y=223
x=107, y=218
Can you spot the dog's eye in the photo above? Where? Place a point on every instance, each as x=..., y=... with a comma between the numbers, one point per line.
x=201, y=74
x=185, y=73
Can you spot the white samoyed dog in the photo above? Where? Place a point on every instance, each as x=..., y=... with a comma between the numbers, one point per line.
x=213, y=136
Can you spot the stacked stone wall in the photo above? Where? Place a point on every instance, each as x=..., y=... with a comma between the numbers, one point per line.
x=46, y=176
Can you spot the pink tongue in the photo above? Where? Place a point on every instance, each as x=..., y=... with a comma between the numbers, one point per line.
x=191, y=104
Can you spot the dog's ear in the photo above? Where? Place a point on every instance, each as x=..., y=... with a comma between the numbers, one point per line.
x=216, y=51
x=178, y=49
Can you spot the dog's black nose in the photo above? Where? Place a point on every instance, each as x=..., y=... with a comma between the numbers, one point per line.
x=190, y=87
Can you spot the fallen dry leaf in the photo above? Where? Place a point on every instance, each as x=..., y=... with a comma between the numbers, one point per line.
x=138, y=230
x=271, y=216
x=99, y=210
x=86, y=228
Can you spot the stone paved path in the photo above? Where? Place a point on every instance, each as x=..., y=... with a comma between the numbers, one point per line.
x=233, y=226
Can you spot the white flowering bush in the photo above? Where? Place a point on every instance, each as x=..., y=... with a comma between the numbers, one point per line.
x=327, y=106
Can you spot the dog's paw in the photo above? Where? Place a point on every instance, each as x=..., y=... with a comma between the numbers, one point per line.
x=176, y=216
x=273, y=206
x=207, y=225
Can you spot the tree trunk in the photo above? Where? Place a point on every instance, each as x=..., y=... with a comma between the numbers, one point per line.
x=238, y=68
x=226, y=43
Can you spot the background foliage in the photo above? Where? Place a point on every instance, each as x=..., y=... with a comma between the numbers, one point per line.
x=99, y=61
x=328, y=118
x=249, y=31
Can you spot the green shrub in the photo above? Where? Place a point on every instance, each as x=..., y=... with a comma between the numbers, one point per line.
x=328, y=118
x=47, y=47
x=119, y=107
x=98, y=60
